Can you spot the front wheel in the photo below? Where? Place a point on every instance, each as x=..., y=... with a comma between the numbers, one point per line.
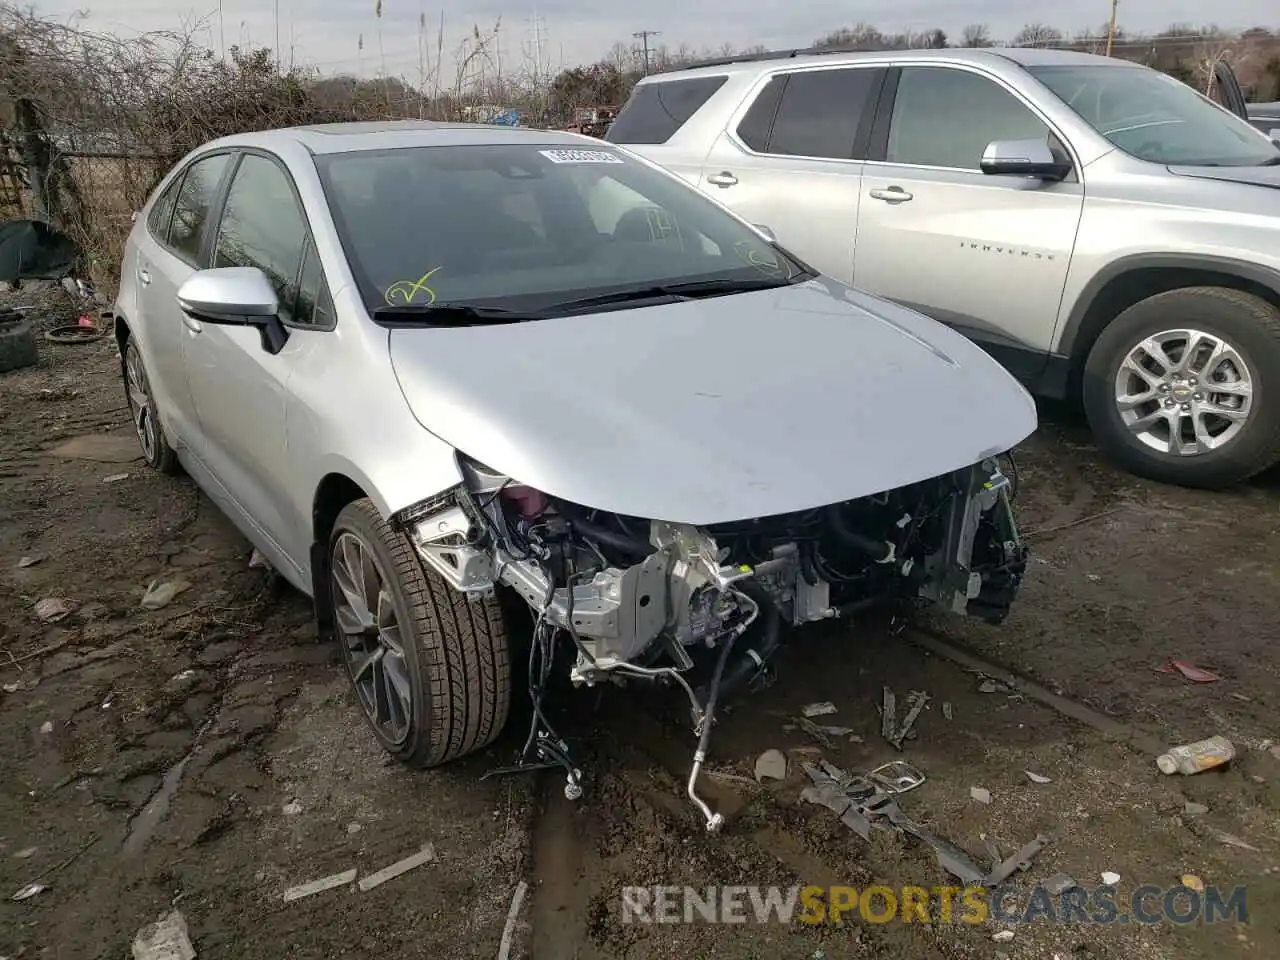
x=1183, y=387
x=430, y=667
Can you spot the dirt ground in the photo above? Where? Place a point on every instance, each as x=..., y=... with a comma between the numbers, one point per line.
x=205, y=756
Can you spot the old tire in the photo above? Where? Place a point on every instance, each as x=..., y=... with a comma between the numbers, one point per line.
x=429, y=667
x=18, y=346
x=156, y=450
x=1230, y=384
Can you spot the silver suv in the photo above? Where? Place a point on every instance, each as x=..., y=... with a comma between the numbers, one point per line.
x=1103, y=230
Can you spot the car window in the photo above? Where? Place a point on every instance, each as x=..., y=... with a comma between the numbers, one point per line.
x=655, y=111
x=162, y=211
x=314, y=305
x=528, y=226
x=945, y=118
x=263, y=226
x=194, y=200
x=758, y=120
x=820, y=112
x=1156, y=118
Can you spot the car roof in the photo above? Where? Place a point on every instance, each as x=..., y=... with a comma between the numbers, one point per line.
x=390, y=134
x=1023, y=56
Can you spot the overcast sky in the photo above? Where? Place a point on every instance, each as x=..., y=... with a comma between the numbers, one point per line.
x=324, y=33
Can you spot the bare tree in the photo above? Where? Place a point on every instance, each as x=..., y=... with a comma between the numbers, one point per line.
x=1038, y=35
x=975, y=35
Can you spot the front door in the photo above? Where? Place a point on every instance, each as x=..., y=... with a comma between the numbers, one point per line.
x=790, y=161
x=240, y=388
x=986, y=254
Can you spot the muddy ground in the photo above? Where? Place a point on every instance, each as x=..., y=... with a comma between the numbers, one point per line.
x=205, y=756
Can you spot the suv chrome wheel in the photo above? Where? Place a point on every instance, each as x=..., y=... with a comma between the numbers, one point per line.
x=1184, y=392
x=140, y=408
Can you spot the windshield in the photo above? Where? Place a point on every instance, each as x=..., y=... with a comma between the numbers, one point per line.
x=1154, y=117
x=529, y=226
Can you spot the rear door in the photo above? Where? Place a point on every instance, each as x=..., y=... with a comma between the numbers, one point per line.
x=177, y=225
x=790, y=159
x=985, y=254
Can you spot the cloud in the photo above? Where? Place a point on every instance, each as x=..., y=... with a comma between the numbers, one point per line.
x=325, y=33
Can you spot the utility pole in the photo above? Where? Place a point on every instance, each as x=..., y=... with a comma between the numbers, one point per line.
x=277, y=36
x=643, y=36
x=1111, y=27
x=222, y=32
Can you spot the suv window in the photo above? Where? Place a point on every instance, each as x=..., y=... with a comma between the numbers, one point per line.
x=162, y=211
x=945, y=118
x=758, y=120
x=194, y=199
x=655, y=111
x=820, y=111
x=263, y=226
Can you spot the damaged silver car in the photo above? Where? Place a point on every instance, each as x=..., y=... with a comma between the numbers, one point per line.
x=440, y=374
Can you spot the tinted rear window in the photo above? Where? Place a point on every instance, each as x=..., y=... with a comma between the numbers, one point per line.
x=656, y=111
x=821, y=111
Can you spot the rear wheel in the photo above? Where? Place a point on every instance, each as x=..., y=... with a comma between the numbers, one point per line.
x=1183, y=387
x=142, y=410
x=430, y=667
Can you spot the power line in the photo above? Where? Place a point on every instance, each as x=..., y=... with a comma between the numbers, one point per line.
x=643, y=36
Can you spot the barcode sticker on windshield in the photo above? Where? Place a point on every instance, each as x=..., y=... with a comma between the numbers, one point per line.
x=581, y=156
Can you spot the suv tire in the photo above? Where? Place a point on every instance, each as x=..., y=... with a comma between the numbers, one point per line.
x=430, y=666
x=1243, y=322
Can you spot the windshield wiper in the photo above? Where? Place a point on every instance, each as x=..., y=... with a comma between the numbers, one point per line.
x=680, y=290
x=450, y=315
x=1270, y=162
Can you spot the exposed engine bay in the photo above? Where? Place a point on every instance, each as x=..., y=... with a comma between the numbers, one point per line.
x=647, y=599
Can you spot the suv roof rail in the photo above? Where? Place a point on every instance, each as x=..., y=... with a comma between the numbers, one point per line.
x=767, y=55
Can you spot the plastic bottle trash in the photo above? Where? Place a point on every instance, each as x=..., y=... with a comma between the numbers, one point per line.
x=1193, y=757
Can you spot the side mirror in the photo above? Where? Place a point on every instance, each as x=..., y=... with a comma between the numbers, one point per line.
x=235, y=296
x=766, y=232
x=1275, y=135
x=1023, y=158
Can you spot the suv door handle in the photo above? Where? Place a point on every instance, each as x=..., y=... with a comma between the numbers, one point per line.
x=892, y=195
x=722, y=179
x=144, y=276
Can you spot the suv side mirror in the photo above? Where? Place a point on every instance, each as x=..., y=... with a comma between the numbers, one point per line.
x=1023, y=158
x=766, y=232
x=234, y=296
x=1275, y=135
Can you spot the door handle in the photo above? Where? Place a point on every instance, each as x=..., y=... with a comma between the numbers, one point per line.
x=722, y=179
x=144, y=276
x=191, y=323
x=892, y=195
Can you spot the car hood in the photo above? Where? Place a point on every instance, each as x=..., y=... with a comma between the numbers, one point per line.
x=1255, y=176
x=719, y=409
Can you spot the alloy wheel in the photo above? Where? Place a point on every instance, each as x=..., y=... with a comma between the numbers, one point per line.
x=1184, y=392
x=141, y=409
x=370, y=631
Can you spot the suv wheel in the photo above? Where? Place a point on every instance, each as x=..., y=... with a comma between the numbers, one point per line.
x=430, y=667
x=142, y=410
x=1183, y=387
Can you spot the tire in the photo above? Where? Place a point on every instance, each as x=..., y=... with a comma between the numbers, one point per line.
x=156, y=450
x=1246, y=324
x=454, y=650
x=17, y=342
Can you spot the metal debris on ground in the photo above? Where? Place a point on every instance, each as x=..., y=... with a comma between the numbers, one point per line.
x=718, y=775
x=896, y=776
x=1190, y=671
x=160, y=595
x=1231, y=840
x=292, y=808
x=509, y=928
x=815, y=730
x=771, y=765
x=29, y=891
x=258, y=561
x=818, y=709
x=31, y=561
x=53, y=609
x=981, y=794
x=946, y=710
x=1037, y=777
x=166, y=939
x=115, y=478
x=832, y=730
x=916, y=701
x=46, y=727
x=25, y=854
x=1017, y=863
x=1191, y=758
x=1059, y=884
x=343, y=879
x=888, y=714
x=1002, y=936
x=1110, y=878
x=411, y=862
